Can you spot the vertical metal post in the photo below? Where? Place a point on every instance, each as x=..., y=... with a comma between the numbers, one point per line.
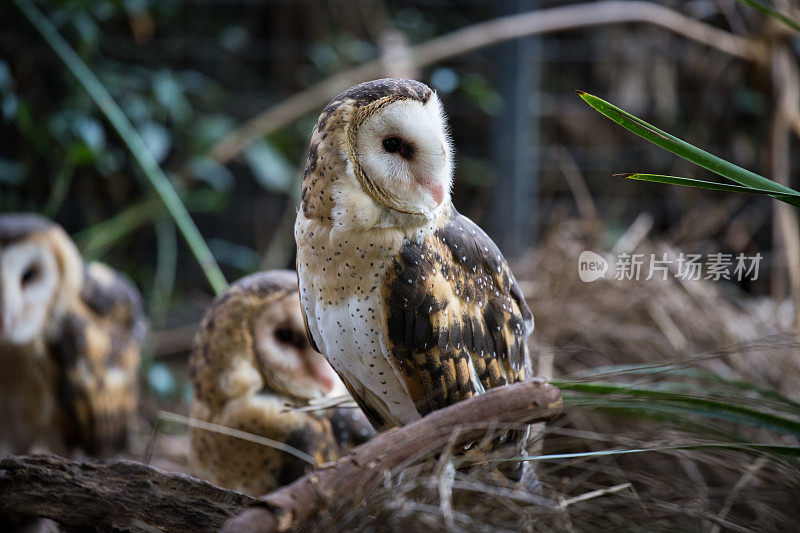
x=511, y=219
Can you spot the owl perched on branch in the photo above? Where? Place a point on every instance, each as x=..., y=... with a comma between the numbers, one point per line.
x=70, y=338
x=254, y=370
x=412, y=303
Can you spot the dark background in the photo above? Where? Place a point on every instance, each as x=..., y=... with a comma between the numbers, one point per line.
x=188, y=73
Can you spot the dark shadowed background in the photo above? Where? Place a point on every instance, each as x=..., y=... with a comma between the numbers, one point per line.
x=530, y=154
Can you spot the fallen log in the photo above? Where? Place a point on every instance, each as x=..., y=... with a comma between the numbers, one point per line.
x=112, y=495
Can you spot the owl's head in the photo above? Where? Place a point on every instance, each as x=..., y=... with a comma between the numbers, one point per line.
x=253, y=339
x=289, y=362
x=40, y=275
x=385, y=150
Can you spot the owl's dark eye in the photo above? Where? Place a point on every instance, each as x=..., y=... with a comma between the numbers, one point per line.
x=283, y=335
x=392, y=144
x=31, y=274
x=396, y=145
x=291, y=337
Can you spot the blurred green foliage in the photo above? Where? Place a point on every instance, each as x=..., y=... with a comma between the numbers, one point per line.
x=185, y=75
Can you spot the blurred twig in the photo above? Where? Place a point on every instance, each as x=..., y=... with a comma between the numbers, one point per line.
x=141, y=153
x=95, y=241
x=397, y=59
x=746, y=478
x=786, y=87
x=176, y=340
x=486, y=34
x=580, y=191
x=564, y=503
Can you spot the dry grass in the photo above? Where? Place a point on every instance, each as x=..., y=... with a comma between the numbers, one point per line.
x=610, y=322
x=691, y=338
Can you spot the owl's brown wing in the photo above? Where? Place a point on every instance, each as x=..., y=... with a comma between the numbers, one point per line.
x=97, y=359
x=457, y=322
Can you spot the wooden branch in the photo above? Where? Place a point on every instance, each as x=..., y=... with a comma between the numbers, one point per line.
x=486, y=34
x=290, y=507
x=174, y=341
x=118, y=494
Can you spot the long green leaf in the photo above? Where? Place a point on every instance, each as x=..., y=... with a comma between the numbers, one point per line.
x=700, y=405
x=141, y=153
x=764, y=397
x=772, y=12
x=703, y=184
x=687, y=151
x=680, y=413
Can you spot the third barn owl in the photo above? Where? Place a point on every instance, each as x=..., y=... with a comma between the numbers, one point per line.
x=70, y=336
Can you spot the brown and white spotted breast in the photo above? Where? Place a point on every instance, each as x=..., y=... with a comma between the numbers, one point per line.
x=341, y=292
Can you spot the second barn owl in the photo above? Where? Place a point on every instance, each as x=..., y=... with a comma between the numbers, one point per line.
x=254, y=370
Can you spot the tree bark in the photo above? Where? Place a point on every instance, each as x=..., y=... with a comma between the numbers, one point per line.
x=291, y=506
x=112, y=495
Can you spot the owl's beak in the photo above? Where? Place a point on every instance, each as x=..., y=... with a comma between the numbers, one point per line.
x=437, y=191
x=322, y=373
x=432, y=186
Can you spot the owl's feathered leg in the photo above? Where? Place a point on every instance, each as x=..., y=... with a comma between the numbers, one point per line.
x=518, y=474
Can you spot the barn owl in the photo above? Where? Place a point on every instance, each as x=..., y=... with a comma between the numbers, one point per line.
x=70, y=338
x=411, y=302
x=252, y=367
